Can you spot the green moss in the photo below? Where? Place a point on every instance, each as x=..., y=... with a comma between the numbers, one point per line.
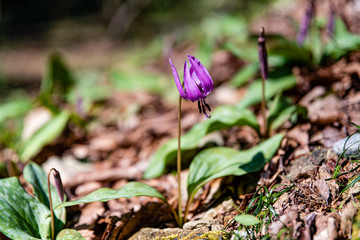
x=170, y=237
x=212, y=235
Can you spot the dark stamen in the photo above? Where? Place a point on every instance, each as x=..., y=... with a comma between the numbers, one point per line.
x=203, y=107
x=204, y=110
x=207, y=105
x=199, y=107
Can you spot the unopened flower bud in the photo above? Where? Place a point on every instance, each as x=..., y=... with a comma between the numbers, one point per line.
x=263, y=59
x=58, y=184
x=331, y=21
x=306, y=22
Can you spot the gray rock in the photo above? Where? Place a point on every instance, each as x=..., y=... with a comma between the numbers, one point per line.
x=352, y=143
x=301, y=166
x=196, y=224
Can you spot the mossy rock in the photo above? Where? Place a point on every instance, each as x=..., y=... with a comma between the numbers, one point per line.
x=178, y=233
x=212, y=235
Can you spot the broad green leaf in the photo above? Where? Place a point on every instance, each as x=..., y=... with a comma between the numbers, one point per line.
x=45, y=135
x=288, y=52
x=281, y=51
x=22, y=216
x=69, y=234
x=278, y=104
x=131, y=189
x=223, y=117
x=282, y=117
x=341, y=45
x=247, y=219
x=272, y=86
x=14, y=108
x=58, y=78
x=245, y=74
x=219, y=26
x=247, y=52
x=223, y=161
x=36, y=176
x=342, y=42
x=280, y=111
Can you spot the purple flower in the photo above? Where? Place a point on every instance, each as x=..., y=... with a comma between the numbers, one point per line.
x=197, y=83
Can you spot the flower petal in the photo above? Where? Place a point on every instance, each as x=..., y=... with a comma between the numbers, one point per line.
x=202, y=73
x=191, y=88
x=177, y=81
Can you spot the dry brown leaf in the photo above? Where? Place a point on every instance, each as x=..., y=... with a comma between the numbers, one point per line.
x=91, y=212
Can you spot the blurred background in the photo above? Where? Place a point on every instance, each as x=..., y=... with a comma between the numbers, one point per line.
x=74, y=68
x=98, y=34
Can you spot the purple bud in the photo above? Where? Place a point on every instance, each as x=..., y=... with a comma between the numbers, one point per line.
x=197, y=83
x=331, y=21
x=306, y=22
x=58, y=184
x=263, y=59
x=79, y=105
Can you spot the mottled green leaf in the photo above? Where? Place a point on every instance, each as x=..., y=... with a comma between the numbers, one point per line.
x=131, y=189
x=22, y=216
x=69, y=234
x=223, y=161
x=222, y=117
x=247, y=219
x=45, y=135
x=34, y=175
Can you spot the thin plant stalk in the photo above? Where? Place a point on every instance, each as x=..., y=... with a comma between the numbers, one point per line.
x=51, y=207
x=173, y=212
x=190, y=198
x=180, y=218
x=263, y=109
x=264, y=74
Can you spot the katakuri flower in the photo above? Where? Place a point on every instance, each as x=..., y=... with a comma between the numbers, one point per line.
x=197, y=83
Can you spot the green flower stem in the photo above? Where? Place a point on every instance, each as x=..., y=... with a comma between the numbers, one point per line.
x=51, y=207
x=180, y=218
x=190, y=198
x=174, y=213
